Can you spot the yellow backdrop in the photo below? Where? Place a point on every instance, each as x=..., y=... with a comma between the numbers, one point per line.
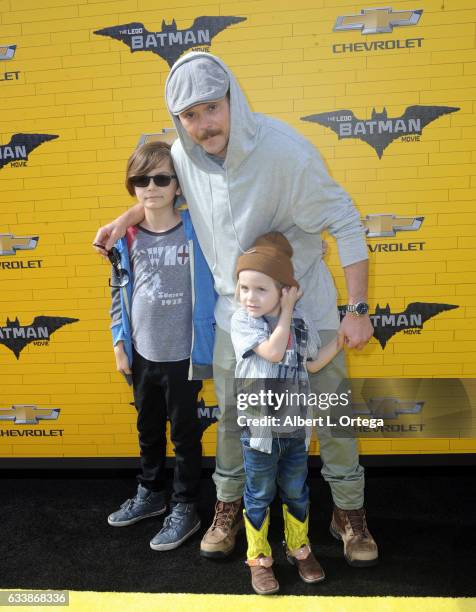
x=309, y=57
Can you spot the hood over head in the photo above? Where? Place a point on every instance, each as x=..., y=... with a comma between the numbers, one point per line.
x=202, y=80
x=200, y=77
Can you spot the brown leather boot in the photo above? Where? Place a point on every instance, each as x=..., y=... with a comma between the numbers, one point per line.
x=309, y=568
x=350, y=526
x=263, y=580
x=219, y=540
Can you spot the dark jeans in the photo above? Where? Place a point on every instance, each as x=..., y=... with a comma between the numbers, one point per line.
x=285, y=468
x=161, y=390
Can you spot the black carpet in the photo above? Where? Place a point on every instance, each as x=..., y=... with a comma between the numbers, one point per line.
x=54, y=535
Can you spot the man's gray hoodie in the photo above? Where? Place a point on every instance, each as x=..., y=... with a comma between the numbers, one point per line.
x=272, y=179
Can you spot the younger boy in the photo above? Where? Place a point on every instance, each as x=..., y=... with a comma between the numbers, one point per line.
x=275, y=348
x=162, y=297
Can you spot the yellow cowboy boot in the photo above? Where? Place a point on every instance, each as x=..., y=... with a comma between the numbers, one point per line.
x=259, y=558
x=298, y=549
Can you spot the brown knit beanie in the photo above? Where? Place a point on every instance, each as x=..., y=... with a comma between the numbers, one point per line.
x=271, y=254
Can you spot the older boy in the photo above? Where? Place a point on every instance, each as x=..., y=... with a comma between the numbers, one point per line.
x=152, y=320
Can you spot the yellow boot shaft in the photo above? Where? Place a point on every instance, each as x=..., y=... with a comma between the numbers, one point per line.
x=257, y=538
x=295, y=531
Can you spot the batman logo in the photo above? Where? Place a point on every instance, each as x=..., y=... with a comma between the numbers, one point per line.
x=207, y=415
x=170, y=42
x=386, y=324
x=15, y=336
x=380, y=130
x=21, y=145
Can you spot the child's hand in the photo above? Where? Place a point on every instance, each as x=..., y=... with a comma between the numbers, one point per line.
x=122, y=362
x=289, y=297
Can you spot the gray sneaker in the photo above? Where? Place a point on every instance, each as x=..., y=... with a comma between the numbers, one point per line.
x=145, y=503
x=179, y=525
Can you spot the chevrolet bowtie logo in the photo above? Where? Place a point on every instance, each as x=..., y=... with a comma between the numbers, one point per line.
x=28, y=414
x=387, y=407
x=168, y=135
x=379, y=226
x=7, y=52
x=377, y=21
x=9, y=244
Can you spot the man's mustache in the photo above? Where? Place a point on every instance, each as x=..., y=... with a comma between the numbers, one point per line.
x=209, y=133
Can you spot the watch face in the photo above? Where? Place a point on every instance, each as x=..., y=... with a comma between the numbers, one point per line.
x=361, y=308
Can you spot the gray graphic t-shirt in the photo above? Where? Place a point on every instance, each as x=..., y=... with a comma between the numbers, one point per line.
x=161, y=310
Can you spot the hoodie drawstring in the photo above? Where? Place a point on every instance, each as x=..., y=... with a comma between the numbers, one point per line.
x=231, y=215
x=213, y=225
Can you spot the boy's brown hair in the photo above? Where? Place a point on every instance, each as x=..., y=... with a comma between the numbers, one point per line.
x=145, y=158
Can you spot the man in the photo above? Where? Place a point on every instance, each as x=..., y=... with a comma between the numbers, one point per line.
x=244, y=174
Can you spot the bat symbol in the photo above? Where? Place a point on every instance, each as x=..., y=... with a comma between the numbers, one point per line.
x=15, y=336
x=170, y=42
x=386, y=324
x=380, y=130
x=207, y=415
x=21, y=145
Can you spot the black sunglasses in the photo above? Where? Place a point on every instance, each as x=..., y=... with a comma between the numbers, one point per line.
x=120, y=277
x=161, y=180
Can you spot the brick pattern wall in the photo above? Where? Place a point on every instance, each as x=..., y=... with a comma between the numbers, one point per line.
x=98, y=98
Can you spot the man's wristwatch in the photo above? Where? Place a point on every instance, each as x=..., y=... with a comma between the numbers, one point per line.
x=359, y=309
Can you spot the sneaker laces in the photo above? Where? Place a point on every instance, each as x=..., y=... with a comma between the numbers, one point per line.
x=357, y=521
x=225, y=513
x=170, y=519
x=174, y=517
x=129, y=503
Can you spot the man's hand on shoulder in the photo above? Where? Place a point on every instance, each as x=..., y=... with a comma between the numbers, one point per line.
x=355, y=331
x=107, y=236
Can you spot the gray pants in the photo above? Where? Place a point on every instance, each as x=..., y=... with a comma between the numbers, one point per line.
x=339, y=456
